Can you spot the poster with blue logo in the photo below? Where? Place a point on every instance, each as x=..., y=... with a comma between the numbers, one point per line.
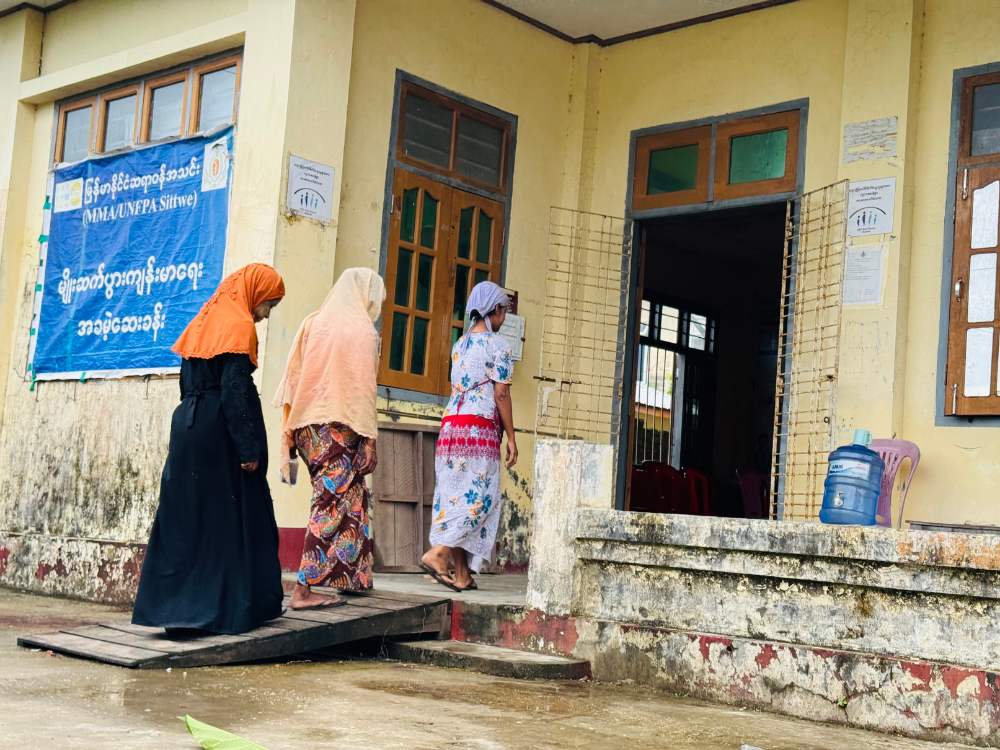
x=135, y=246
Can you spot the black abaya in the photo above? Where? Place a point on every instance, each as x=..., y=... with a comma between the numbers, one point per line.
x=212, y=560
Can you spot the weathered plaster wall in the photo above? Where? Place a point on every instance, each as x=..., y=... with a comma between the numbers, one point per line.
x=871, y=627
x=875, y=628
x=80, y=462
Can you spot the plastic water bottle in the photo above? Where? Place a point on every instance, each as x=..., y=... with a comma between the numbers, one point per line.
x=853, y=482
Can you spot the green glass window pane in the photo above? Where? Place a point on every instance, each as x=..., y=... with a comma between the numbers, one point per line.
x=428, y=224
x=418, y=355
x=402, y=295
x=397, y=344
x=425, y=269
x=760, y=156
x=672, y=169
x=465, y=232
x=482, y=275
x=461, y=292
x=456, y=334
x=408, y=220
x=483, y=237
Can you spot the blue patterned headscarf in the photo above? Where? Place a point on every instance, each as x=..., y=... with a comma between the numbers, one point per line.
x=484, y=299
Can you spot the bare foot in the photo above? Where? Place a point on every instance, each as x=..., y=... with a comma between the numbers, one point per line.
x=304, y=598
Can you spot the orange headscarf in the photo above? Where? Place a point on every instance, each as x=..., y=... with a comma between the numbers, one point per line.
x=225, y=323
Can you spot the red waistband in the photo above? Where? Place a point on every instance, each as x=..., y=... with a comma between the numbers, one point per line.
x=469, y=420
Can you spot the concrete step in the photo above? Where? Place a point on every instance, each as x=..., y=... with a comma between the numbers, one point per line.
x=494, y=660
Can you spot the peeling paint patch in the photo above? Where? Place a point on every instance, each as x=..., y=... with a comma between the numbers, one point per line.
x=926, y=700
x=513, y=627
x=99, y=571
x=766, y=656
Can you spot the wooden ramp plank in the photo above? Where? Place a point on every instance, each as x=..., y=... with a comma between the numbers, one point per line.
x=109, y=653
x=151, y=642
x=295, y=632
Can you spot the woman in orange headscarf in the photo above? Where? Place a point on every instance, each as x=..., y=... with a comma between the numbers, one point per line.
x=212, y=559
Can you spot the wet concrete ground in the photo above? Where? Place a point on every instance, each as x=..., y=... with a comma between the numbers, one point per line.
x=51, y=701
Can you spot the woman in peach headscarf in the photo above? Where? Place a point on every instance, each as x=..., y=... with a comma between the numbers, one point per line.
x=327, y=396
x=212, y=559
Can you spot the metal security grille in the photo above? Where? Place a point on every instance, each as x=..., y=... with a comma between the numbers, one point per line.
x=810, y=317
x=580, y=369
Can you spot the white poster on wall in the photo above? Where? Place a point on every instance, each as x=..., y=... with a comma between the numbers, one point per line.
x=513, y=331
x=310, y=189
x=870, y=206
x=863, y=275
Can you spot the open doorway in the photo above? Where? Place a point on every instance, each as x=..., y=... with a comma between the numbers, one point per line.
x=706, y=352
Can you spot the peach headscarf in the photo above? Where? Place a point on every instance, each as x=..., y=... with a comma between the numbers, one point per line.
x=332, y=366
x=225, y=323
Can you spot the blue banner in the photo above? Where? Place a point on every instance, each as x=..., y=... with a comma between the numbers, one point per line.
x=135, y=246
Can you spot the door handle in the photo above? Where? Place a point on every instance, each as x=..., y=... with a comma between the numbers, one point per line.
x=958, y=289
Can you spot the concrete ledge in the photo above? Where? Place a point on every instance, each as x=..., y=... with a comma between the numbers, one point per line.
x=813, y=539
x=494, y=660
x=848, y=572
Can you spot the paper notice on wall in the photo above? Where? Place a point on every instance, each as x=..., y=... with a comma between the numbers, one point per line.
x=985, y=215
x=870, y=206
x=513, y=331
x=870, y=139
x=310, y=189
x=863, y=275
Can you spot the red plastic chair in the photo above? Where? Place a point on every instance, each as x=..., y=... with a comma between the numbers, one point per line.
x=644, y=491
x=671, y=488
x=699, y=501
x=893, y=453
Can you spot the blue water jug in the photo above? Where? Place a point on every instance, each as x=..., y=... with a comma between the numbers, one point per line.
x=853, y=482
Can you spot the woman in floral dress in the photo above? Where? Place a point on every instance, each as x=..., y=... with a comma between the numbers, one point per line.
x=328, y=399
x=467, y=502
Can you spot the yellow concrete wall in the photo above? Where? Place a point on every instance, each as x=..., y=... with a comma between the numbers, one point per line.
x=960, y=466
x=82, y=31
x=753, y=60
x=477, y=51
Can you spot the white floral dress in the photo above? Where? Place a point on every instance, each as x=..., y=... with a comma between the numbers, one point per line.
x=467, y=500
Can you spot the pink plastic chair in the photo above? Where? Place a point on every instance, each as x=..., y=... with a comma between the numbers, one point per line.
x=893, y=453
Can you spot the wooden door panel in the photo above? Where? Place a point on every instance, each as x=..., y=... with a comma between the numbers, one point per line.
x=971, y=387
x=416, y=271
x=403, y=492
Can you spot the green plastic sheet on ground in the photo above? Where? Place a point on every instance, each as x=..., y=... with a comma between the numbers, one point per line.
x=211, y=738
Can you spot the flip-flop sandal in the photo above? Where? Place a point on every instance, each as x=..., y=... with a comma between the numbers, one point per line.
x=325, y=605
x=439, y=578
